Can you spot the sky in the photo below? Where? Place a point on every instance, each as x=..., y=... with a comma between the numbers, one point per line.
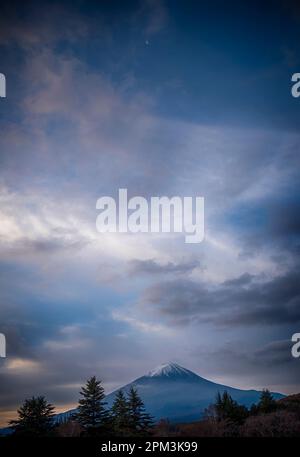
x=162, y=98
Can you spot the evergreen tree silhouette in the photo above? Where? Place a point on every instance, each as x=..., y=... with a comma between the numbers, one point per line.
x=266, y=404
x=229, y=410
x=120, y=414
x=140, y=420
x=35, y=417
x=91, y=412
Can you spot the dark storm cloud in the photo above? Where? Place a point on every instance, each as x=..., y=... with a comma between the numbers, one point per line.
x=273, y=224
x=48, y=245
x=271, y=361
x=275, y=353
x=180, y=300
x=242, y=280
x=244, y=301
x=151, y=267
x=276, y=302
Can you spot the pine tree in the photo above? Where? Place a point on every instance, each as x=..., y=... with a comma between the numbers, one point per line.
x=266, y=404
x=140, y=420
x=224, y=405
x=120, y=414
x=91, y=413
x=35, y=417
x=229, y=410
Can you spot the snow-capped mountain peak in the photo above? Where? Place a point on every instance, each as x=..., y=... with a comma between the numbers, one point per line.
x=171, y=370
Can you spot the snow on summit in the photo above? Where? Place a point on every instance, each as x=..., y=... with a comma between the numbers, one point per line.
x=170, y=370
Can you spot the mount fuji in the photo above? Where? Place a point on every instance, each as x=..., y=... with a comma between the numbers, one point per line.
x=176, y=393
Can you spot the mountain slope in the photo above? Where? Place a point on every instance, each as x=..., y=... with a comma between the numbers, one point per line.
x=173, y=392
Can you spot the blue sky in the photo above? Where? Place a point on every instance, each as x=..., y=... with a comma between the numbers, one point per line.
x=162, y=98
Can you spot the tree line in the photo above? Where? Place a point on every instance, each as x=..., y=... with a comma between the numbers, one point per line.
x=226, y=409
x=227, y=418
x=126, y=417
